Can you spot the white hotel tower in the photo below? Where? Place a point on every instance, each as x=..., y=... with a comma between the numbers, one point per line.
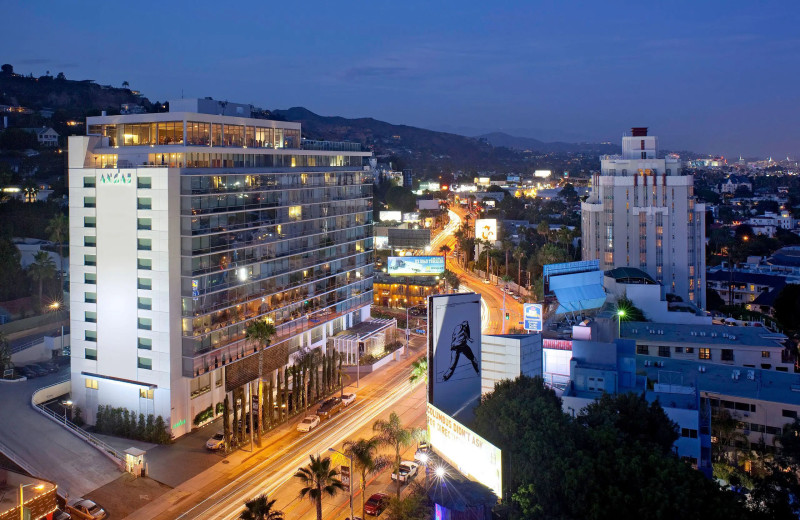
x=642, y=213
x=187, y=225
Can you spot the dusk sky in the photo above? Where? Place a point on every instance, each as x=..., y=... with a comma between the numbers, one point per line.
x=713, y=77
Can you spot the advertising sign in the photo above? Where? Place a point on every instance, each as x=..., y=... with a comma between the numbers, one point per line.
x=344, y=477
x=533, y=316
x=486, y=229
x=475, y=457
x=454, y=346
x=391, y=216
x=542, y=173
x=415, y=265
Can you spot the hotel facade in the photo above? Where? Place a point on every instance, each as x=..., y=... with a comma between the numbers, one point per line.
x=186, y=226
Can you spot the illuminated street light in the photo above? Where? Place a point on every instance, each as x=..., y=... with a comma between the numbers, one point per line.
x=440, y=472
x=620, y=315
x=423, y=458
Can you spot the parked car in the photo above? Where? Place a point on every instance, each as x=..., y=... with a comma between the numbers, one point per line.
x=329, y=407
x=86, y=509
x=423, y=452
x=347, y=399
x=308, y=424
x=39, y=370
x=50, y=368
x=417, y=311
x=26, y=371
x=59, y=514
x=376, y=504
x=406, y=471
x=216, y=442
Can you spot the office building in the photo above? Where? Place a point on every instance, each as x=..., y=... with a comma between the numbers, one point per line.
x=188, y=225
x=642, y=213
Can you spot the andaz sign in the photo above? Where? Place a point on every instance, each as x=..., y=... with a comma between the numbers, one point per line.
x=116, y=178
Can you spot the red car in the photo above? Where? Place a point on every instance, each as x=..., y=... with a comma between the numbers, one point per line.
x=376, y=504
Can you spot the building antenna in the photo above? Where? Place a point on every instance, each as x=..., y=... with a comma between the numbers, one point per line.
x=181, y=93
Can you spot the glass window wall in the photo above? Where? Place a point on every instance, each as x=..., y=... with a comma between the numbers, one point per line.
x=234, y=135
x=170, y=132
x=198, y=134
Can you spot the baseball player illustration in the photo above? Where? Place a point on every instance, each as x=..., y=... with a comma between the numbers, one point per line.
x=459, y=345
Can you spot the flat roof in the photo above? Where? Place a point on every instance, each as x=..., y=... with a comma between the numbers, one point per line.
x=711, y=334
x=767, y=385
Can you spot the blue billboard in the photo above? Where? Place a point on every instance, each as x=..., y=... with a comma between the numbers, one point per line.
x=532, y=314
x=415, y=265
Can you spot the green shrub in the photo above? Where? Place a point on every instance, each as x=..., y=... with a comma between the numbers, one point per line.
x=204, y=416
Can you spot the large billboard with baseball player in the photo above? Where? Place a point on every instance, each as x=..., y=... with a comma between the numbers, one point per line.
x=454, y=353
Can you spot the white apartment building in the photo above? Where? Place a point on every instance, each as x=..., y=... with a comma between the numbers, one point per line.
x=188, y=225
x=642, y=213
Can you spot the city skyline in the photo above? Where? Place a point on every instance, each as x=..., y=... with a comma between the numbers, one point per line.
x=705, y=80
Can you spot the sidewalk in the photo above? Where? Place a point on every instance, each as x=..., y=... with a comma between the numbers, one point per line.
x=237, y=463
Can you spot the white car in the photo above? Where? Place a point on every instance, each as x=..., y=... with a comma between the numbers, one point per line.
x=407, y=471
x=348, y=399
x=308, y=424
x=216, y=442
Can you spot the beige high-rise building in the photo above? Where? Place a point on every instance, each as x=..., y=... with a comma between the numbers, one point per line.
x=642, y=213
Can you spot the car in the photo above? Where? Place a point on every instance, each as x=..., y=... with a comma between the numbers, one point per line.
x=417, y=311
x=216, y=442
x=26, y=371
x=423, y=452
x=39, y=370
x=406, y=471
x=329, y=407
x=308, y=424
x=50, y=368
x=87, y=509
x=347, y=399
x=376, y=504
x=487, y=282
x=59, y=514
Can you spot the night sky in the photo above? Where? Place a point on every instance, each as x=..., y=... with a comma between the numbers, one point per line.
x=714, y=77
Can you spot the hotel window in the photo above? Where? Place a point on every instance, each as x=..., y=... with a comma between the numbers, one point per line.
x=145, y=284
x=138, y=134
x=727, y=354
x=278, y=142
x=792, y=414
x=170, y=132
x=144, y=182
x=765, y=353
x=91, y=383
x=90, y=317
x=263, y=137
x=90, y=260
x=643, y=349
x=144, y=324
x=145, y=264
x=144, y=203
x=90, y=241
x=144, y=244
x=663, y=351
x=89, y=182
x=90, y=278
x=250, y=137
x=688, y=432
x=234, y=135
x=89, y=222
x=197, y=134
x=90, y=354
x=144, y=343
x=90, y=335
x=690, y=350
x=705, y=353
x=145, y=363
x=90, y=297
x=216, y=134
x=295, y=212
x=144, y=224
x=146, y=393
x=145, y=304
x=89, y=202
x=679, y=350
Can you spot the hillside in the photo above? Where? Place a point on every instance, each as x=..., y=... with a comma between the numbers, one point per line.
x=534, y=145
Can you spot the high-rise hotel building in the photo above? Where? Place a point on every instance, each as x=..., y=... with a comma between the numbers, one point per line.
x=642, y=213
x=184, y=227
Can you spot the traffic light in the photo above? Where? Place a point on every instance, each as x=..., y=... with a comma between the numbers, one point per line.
x=507, y=315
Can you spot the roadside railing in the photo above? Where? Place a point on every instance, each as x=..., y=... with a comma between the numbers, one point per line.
x=116, y=456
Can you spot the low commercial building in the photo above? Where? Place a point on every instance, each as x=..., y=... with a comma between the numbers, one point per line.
x=737, y=287
x=508, y=357
x=404, y=291
x=38, y=496
x=747, y=347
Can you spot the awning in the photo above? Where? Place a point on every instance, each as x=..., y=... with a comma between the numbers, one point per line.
x=578, y=291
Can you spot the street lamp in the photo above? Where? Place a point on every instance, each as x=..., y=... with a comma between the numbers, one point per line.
x=37, y=487
x=351, y=479
x=67, y=404
x=620, y=315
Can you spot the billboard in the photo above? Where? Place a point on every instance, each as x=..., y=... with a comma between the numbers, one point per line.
x=533, y=316
x=428, y=204
x=391, y=216
x=415, y=265
x=409, y=238
x=474, y=457
x=454, y=351
x=486, y=229
x=542, y=173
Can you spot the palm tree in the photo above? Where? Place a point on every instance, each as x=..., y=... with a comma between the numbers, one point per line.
x=392, y=433
x=519, y=254
x=262, y=332
x=58, y=231
x=31, y=190
x=43, y=268
x=445, y=249
x=364, y=453
x=318, y=479
x=419, y=370
x=260, y=508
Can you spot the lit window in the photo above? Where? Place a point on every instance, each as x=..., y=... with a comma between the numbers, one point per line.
x=295, y=212
x=146, y=394
x=765, y=353
x=705, y=353
x=91, y=383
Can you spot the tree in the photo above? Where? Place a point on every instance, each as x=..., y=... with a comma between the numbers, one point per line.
x=519, y=254
x=392, y=433
x=7, y=68
x=419, y=371
x=31, y=190
x=366, y=460
x=58, y=231
x=43, y=268
x=445, y=249
x=261, y=332
x=17, y=139
x=5, y=353
x=226, y=422
x=452, y=280
x=318, y=480
x=630, y=311
x=401, y=199
x=10, y=271
x=787, y=306
x=260, y=508
x=413, y=506
x=60, y=76
x=125, y=84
